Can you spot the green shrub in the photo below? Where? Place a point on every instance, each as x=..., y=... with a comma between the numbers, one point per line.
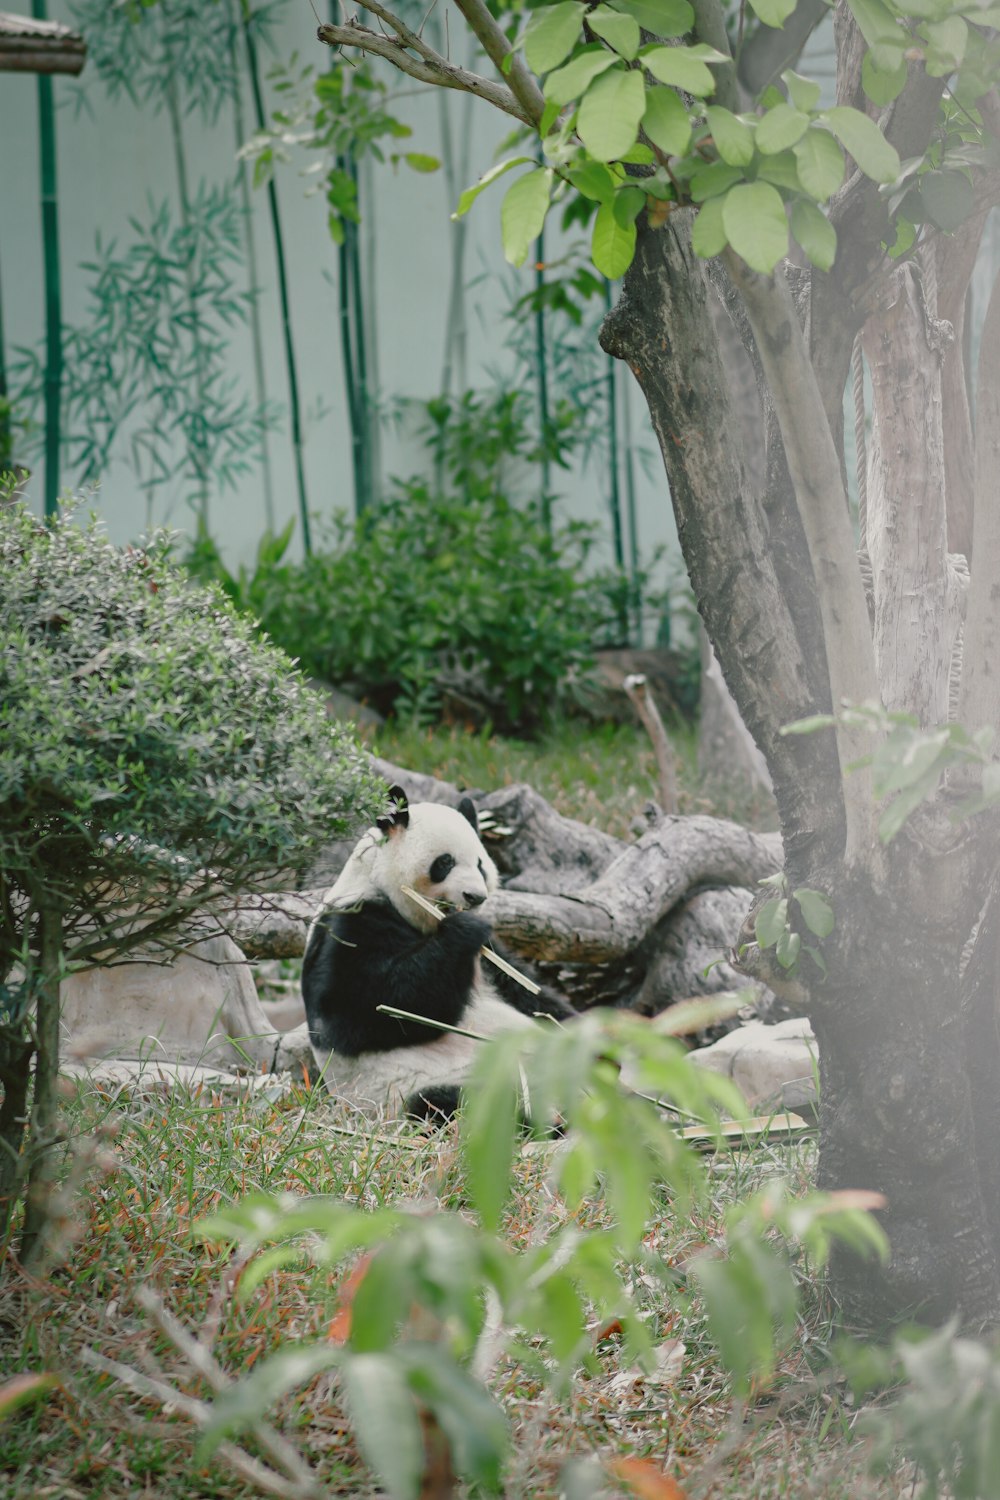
x=429, y=588
x=154, y=756
x=459, y=577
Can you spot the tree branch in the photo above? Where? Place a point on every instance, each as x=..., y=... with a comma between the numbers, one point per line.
x=427, y=66
x=508, y=63
x=710, y=27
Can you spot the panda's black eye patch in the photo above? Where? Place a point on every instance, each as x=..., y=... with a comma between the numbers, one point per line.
x=441, y=868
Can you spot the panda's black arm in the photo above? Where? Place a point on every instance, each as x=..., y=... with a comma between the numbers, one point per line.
x=358, y=960
x=547, y=1002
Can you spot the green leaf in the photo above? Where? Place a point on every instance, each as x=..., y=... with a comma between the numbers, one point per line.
x=613, y=244
x=551, y=34
x=489, y=1121
x=568, y=83
x=593, y=180
x=710, y=181
x=610, y=112
x=421, y=162
x=820, y=163
x=733, y=137
x=817, y=913
x=780, y=128
x=708, y=236
x=619, y=31
x=882, y=85
x=754, y=217
x=803, y=92
x=782, y=170
x=659, y=17
x=470, y=195
x=862, y=138
x=814, y=233
x=628, y=203
x=666, y=121
x=948, y=198
x=773, y=12
x=470, y=1419
x=385, y=1421
x=880, y=29
x=771, y=921
x=522, y=213
x=786, y=949
x=947, y=41
x=680, y=68
x=252, y=1397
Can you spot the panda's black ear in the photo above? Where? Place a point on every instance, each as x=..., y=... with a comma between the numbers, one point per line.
x=468, y=810
x=399, y=816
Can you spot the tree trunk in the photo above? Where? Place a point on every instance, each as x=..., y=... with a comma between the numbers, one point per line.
x=908, y=1039
x=43, y=1124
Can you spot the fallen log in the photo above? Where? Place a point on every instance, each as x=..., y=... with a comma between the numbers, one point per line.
x=608, y=921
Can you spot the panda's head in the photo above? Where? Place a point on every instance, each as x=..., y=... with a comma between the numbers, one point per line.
x=436, y=850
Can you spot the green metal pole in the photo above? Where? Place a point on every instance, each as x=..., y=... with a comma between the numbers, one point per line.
x=286, y=311
x=53, y=298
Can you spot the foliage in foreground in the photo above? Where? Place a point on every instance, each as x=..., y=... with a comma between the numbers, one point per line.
x=154, y=755
x=137, y=1295
x=436, y=1301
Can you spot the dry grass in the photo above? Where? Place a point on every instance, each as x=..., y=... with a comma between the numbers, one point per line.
x=161, y=1165
x=173, y=1162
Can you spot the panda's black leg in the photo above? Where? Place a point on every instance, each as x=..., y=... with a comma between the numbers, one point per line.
x=435, y=1106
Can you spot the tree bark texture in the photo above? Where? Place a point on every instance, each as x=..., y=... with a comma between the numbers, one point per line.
x=909, y=1048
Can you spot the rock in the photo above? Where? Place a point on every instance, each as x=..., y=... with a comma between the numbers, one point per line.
x=770, y=1065
x=200, y=1009
x=295, y=1054
x=151, y=1076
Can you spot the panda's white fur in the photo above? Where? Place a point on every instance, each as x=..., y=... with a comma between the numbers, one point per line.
x=371, y=944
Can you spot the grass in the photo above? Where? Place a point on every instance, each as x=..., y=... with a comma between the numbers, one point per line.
x=142, y=1170
x=162, y=1164
x=604, y=774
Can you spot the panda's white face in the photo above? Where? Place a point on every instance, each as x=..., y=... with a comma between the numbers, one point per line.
x=438, y=852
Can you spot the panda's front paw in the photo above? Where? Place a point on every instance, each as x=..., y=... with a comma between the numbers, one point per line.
x=462, y=930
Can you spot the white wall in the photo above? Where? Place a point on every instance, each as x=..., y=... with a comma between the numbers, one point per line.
x=114, y=157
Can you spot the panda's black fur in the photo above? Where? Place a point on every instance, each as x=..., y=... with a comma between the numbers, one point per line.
x=372, y=945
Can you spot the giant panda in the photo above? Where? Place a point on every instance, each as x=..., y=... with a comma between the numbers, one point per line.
x=373, y=945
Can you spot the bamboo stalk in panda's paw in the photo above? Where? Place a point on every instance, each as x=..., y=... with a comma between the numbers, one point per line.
x=494, y=958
